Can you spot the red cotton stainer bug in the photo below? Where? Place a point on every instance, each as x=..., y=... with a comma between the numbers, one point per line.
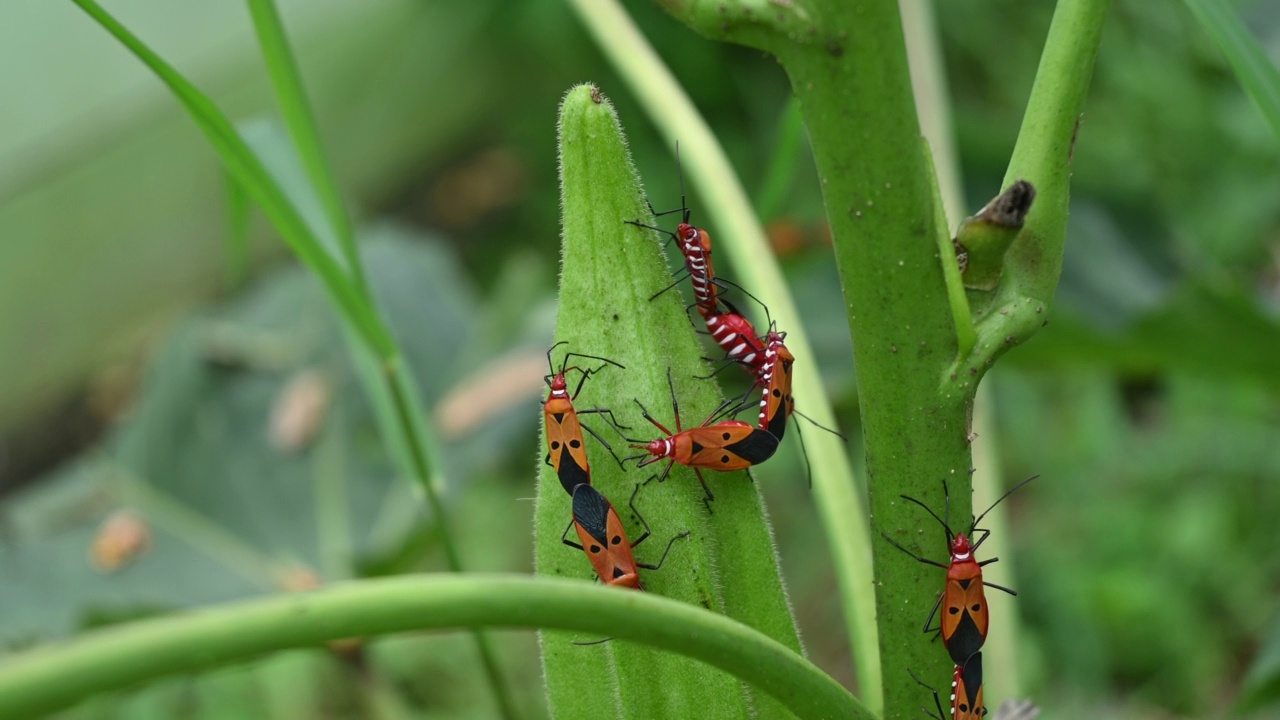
x=604, y=540
x=695, y=246
x=566, y=451
x=966, y=692
x=735, y=334
x=777, y=404
x=724, y=446
x=964, y=604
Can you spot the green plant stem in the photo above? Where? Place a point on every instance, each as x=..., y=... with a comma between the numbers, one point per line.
x=740, y=236
x=48, y=678
x=1042, y=156
x=961, y=315
x=929, y=84
x=298, y=118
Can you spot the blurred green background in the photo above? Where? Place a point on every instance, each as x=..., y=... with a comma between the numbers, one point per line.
x=180, y=423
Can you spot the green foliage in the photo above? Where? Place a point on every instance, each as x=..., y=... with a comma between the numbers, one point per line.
x=1147, y=403
x=1253, y=69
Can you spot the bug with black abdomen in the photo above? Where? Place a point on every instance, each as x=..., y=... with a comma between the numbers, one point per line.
x=604, y=539
x=724, y=446
x=964, y=620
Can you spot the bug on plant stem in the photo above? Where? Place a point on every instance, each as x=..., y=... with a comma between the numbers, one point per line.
x=966, y=692
x=777, y=404
x=695, y=246
x=724, y=446
x=735, y=334
x=964, y=618
x=566, y=450
x=604, y=539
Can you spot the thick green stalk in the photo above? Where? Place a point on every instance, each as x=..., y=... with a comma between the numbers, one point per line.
x=1002, y=671
x=291, y=95
x=51, y=677
x=853, y=83
x=850, y=73
x=739, y=236
x=847, y=65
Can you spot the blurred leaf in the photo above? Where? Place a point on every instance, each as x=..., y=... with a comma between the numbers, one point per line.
x=1214, y=331
x=230, y=514
x=1262, y=680
x=1252, y=67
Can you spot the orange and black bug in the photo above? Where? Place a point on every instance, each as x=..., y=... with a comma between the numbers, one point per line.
x=964, y=603
x=966, y=692
x=775, y=375
x=566, y=452
x=777, y=405
x=726, y=445
x=604, y=540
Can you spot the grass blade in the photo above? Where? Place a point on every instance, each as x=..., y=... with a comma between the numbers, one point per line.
x=1253, y=68
x=257, y=183
x=296, y=112
x=405, y=429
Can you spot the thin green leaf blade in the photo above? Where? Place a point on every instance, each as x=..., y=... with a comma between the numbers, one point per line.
x=1255, y=71
x=296, y=111
x=246, y=168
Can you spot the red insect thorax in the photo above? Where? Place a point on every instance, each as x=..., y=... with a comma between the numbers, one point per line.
x=963, y=564
x=559, y=388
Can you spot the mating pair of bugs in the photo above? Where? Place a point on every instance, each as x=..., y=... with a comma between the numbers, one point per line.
x=725, y=445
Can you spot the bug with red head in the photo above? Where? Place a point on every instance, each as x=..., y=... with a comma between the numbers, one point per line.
x=964, y=620
x=695, y=245
x=566, y=450
x=723, y=446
